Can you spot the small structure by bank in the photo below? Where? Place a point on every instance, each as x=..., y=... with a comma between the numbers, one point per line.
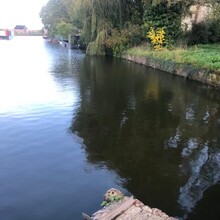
x=206, y=76
x=73, y=42
x=120, y=207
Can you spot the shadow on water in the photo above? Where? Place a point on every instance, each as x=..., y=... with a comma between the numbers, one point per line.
x=157, y=131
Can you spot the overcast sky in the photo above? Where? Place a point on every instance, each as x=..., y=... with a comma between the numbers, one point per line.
x=21, y=12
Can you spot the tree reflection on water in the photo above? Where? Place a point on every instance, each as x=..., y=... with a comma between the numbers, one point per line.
x=157, y=131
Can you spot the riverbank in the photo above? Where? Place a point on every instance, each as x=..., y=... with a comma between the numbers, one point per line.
x=200, y=63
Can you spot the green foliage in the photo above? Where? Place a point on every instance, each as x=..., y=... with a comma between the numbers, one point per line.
x=214, y=31
x=163, y=15
x=167, y=14
x=198, y=34
x=92, y=18
x=97, y=47
x=185, y=2
x=111, y=199
x=54, y=12
x=202, y=56
x=135, y=11
x=63, y=29
x=93, y=25
x=109, y=16
x=213, y=24
x=119, y=40
x=206, y=56
x=207, y=31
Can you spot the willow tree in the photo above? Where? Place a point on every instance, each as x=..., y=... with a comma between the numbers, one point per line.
x=97, y=19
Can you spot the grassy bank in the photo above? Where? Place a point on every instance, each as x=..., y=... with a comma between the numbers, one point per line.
x=201, y=56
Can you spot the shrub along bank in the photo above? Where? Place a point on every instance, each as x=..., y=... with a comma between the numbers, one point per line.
x=200, y=63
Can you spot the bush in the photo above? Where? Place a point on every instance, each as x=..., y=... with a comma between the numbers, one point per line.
x=157, y=38
x=120, y=40
x=213, y=24
x=199, y=34
x=214, y=31
x=166, y=16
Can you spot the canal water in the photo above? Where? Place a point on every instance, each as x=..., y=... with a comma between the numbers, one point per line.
x=73, y=126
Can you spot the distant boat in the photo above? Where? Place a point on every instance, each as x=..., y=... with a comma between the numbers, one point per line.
x=6, y=34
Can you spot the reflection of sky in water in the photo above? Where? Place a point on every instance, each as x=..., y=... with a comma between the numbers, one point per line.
x=147, y=133
x=191, y=192
x=190, y=113
x=173, y=141
x=191, y=145
x=204, y=168
x=197, y=139
x=27, y=82
x=43, y=166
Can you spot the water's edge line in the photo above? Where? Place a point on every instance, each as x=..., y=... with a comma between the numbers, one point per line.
x=205, y=76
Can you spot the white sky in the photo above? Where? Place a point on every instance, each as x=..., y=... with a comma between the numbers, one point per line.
x=21, y=12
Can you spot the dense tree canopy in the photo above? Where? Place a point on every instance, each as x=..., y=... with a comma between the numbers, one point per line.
x=53, y=13
x=114, y=25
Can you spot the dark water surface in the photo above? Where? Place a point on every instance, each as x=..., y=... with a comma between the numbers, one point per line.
x=72, y=126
